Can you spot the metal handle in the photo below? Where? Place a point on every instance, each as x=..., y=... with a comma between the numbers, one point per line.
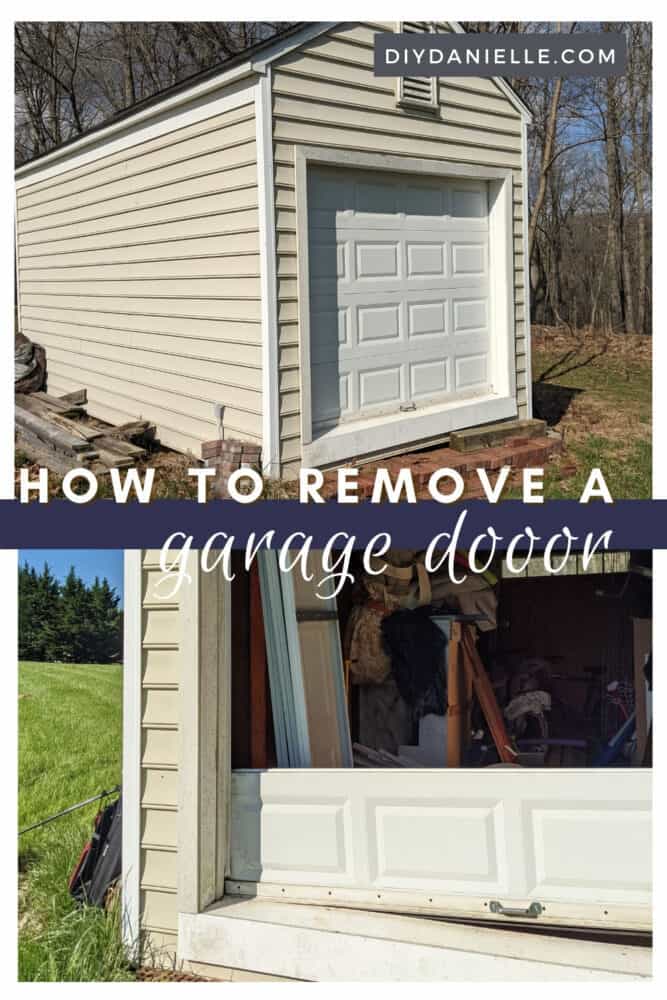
x=533, y=910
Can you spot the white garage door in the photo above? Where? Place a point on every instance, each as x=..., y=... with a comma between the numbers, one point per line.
x=399, y=292
x=575, y=845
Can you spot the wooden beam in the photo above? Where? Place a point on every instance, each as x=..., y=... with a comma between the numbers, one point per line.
x=486, y=696
x=455, y=686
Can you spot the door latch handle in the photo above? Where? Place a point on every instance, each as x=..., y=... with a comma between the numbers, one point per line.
x=533, y=910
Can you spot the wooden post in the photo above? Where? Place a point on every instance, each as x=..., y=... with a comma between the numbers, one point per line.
x=455, y=686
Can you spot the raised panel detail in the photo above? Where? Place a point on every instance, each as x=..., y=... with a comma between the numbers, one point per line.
x=471, y=371
x=426, y=317
x=581, y=846
x=320, y=846
x=378, y=323
x=425, y=259
x=469, y=314
x=380, y=386
x=453, y=843
x=377, y=260
x=468, y=259
x=428, y=378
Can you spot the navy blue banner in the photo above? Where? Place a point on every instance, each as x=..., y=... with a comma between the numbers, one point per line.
x=103, y=524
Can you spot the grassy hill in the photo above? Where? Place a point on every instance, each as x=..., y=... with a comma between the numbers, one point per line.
x=69, y=749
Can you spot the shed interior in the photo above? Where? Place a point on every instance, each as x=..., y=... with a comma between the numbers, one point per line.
x=407, y=669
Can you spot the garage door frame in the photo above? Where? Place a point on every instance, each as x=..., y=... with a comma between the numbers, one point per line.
x=388, y=432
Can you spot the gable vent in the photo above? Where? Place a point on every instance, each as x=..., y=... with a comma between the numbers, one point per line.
x=418, y=91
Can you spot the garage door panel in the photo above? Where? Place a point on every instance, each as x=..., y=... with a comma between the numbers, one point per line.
x=469, y=314
x=454, y=845
x=399, y=291
x=378, y=322
x=377, y=260
x=468, y=259
x=471, y=371
x=570, y=840
x=425, y=259
x=381, y=386
x=429, y=378
x=576, y=841
x=335, y=392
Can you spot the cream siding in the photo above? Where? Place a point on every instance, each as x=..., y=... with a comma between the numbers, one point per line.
x=139, y=272
x=181, y=737
x=325, y=94
x=161, y=673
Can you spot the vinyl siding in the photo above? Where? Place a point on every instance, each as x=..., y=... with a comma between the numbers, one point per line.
x=325, y=94
x=161, y=653
x=139, y=273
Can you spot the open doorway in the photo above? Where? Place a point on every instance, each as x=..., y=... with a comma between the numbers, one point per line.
x=407, y=670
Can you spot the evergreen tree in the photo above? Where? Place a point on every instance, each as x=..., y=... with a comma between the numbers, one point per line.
x=39, y=598
x=69, y=623
x=74, y=621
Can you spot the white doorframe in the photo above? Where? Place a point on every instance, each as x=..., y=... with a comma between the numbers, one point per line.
x=351, y=440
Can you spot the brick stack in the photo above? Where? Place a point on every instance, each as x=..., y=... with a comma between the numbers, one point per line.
x=519, y=452
x=226, y=457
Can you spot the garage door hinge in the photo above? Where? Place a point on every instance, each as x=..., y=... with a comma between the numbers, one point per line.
x=533, y=910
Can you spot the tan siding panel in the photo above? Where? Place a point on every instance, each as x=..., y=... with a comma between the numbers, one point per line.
x=241, y=309
x=211, y=203
x=237, y=163
x=244, y=221
x=159, y=827
x=189, y=410
x=159, y=869
x=139, y=274
x=230, y=250
x=159, y=910
x=161, y=628
x=159, y=788
x=160, y=747
x=232, y=265
x=183, y=143
x=160, y=666
x=231, y=331
x=114, y=401
x=160, y=708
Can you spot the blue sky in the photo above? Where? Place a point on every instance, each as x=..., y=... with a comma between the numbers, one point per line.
x=88, y=563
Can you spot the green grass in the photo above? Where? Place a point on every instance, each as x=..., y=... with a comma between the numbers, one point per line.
x=607, y=421
x=69, y=749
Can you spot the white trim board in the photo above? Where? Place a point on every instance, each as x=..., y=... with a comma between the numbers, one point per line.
x=131, y=846
x=268, y=278
x=526, y=271
x=321, y=944
x=385, y=432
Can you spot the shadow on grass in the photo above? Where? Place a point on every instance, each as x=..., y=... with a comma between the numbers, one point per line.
x=570, y=362
x=551, y=402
